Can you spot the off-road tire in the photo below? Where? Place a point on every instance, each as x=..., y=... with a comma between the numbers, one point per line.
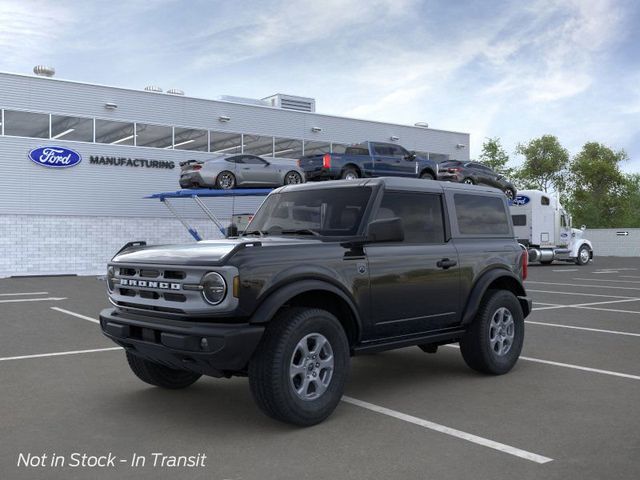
x=476, y=345
x=350, y=173
x=159, y=375
x=269, y=368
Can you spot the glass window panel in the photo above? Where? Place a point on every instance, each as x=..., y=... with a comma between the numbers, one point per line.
x=190, y=139
x=338, y=147
x=26, y=124
x=316, y=148
x=257, y=145
x=226, y=143
x=72, y=128
x=157, y=136
x=287, y=148
x=480, y=215
x=421, y=215
x=115, y=133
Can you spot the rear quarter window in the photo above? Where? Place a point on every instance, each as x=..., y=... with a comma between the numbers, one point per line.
x=481, y=215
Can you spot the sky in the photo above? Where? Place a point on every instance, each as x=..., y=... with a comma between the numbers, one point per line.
x=509, y=69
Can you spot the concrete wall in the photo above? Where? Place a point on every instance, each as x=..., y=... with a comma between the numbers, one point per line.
x=608, y=242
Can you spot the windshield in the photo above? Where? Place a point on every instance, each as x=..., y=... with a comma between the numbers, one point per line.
x=327, y=212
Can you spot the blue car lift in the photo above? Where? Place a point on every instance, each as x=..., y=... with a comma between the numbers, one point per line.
x=199, y=193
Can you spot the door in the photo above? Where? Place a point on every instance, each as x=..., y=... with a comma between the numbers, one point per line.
x=257, y=171
x=414, y=284
x=383, y=159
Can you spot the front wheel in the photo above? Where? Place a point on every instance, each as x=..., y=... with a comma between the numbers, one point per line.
x=427, y=176
x=584, y=255
x=159, y=375
x=494, y=340
x=510, y=193
x=225, y=180
x=292, y=178
x=468, y=181
x=300, y=368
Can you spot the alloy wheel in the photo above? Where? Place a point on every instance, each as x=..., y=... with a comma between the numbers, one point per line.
x=311, y=367
x=501, y=331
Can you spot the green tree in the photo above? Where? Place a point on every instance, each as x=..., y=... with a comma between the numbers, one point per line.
x=599, y=193
x=495, y=157
x=545, y=164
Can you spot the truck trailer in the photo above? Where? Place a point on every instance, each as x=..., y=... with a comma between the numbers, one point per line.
x=544, y=227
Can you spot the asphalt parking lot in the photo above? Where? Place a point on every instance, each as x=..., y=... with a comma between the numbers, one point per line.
x=569, y=410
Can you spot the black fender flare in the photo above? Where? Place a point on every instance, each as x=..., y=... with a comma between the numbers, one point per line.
x=482, y=285
x=280, y=295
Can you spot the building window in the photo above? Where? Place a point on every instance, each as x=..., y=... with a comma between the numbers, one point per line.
x=157, y=136
x=316, y=148
x=26, y=124
x=257, y=145
x=71, y=128
x=287, y=148
x=115, y=133
x=225, y=143
x=190, y=139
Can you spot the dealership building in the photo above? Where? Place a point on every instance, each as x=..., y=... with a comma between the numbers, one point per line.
x=128, y=144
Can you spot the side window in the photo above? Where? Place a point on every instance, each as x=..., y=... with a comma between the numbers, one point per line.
x=519, y=220
x=398, y=151
x=252, y=160
x=382, y=149
x=237, y=159
x=544, y=201
x=421, y=215
x=481, y=215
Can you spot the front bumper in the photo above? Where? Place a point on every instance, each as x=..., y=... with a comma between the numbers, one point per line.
x=179, y=344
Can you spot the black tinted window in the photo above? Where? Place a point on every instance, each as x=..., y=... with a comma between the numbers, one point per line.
x=481, y=215
x=421, y=215
x=357, y=151
x=519, y=220
x=250, y=159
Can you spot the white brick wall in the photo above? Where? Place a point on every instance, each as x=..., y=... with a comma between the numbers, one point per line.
x=46, y=245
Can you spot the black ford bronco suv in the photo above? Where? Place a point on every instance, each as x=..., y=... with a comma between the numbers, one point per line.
x=325, y=271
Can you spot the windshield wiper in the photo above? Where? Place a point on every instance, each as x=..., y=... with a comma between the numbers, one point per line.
x=301, y=231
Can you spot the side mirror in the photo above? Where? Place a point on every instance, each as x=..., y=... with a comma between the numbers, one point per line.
x=385, y=230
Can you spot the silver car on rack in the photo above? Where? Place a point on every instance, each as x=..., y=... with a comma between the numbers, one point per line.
x=240, y=170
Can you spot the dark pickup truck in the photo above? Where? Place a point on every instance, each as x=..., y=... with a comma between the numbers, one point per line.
x=368, y=159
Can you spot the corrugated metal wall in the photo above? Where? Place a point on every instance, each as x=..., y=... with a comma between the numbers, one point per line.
x=615, y=242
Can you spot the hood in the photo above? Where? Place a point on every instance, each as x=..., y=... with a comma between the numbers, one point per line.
x=207, y=252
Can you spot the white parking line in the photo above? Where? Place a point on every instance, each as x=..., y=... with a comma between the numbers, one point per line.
x=585, y=286
x=485, y=442
x=62, y=310
x=611, y=310
x=587, y=305
x=612, y=281
x=57, y=354
x=567, y=270
x=572, y=366
x=48, y=299
x=597, y=330
x=22, y=293
x=579, y=294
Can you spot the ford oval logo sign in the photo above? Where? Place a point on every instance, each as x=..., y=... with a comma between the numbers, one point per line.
x=55, y=157
x=520, y=200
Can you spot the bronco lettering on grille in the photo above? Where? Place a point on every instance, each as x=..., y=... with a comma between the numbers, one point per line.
x=147, y=284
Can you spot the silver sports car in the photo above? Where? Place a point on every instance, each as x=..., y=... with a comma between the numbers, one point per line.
x=240, y=170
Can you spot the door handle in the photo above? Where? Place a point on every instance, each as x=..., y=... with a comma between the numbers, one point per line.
x=446, y=263
x=246, y=168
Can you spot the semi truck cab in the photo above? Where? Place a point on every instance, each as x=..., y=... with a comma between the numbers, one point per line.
x=544, y=227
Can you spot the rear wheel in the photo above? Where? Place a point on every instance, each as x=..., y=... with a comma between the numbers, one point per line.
x=350, y=173
x=159, y=375
x=427, y=176
x=292, y=178
x=494, y=339
x=299, y=370
x=510, y=193
x=469, y=181
x=225, y=180
x=584, y=255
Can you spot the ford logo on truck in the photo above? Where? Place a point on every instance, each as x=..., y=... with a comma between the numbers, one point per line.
x=55, y=157
x=520, y=200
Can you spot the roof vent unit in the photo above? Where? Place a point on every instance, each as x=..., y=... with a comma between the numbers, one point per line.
x=153, y=88
x=44, y=71
x=244, y=100
x=175, y=91
x=291, y=102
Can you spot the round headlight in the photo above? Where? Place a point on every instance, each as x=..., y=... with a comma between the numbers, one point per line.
x=111, y=273
x=214, y=288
